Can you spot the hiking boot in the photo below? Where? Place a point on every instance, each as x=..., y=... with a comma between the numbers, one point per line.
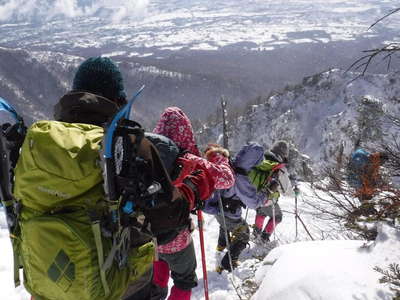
x=265, y=237
x=235, y=264
x=218, y=256
x=220, y=268
x=220, y=248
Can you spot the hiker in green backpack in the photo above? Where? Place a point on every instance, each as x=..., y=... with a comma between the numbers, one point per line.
x=66, y=240
x=271, y=176
x=63, y=245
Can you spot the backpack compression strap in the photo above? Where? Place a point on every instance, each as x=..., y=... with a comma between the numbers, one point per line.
x=100, y=254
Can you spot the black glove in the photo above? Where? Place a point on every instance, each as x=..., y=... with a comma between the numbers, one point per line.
x=189, y=181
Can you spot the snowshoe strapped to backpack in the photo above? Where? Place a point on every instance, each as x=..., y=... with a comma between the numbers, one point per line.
x=356, y=168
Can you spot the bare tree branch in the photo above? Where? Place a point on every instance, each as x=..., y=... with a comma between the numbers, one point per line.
x=384, y=17
x=363, y=62
x=388, y=51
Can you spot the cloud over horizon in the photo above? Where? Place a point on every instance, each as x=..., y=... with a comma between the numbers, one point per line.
x=15, y=11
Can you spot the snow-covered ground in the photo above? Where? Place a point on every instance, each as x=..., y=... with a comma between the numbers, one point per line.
x=143, y=26
x=330, y=268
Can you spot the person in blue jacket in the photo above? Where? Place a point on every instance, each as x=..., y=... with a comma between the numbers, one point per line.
x=243, y=193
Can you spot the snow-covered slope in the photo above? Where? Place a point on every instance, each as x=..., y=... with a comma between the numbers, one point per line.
x=34, y=81
x=321, y=114
x=29, y=85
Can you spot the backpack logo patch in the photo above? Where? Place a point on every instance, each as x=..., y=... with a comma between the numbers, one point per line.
x=53, y=192
x=62, y=271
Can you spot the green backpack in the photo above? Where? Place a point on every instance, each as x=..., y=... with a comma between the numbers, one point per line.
x=60, y=197
x=261, y=175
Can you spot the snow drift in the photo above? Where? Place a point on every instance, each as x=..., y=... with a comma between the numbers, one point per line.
x=329, y=270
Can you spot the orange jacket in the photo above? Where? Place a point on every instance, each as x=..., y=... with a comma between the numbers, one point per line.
x=370, y=177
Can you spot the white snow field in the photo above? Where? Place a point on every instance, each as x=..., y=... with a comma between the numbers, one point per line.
x=330, y=269
x=327, y=270
x=142, y=26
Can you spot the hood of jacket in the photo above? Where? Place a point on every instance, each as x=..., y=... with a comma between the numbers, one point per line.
x=249, y=156
x=175, y=125
x=84, y=107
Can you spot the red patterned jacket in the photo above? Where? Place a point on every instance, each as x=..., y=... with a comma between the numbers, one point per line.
x=175, y=125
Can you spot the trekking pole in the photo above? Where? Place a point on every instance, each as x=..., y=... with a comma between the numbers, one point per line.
x=305, y=227
x=296, y=191
x=295, y=212
x=273, y=218
x=221, y=209
x=301, y=221
x=203, y=253
x=224, y=123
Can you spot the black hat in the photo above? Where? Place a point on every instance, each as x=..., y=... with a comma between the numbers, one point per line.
x=100, y=76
